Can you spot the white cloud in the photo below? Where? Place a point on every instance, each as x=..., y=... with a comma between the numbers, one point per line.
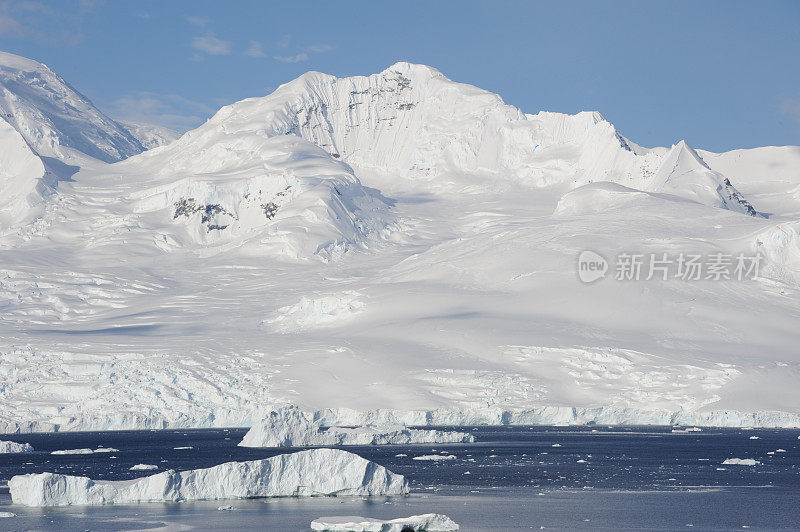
x=168, y=110
x=791, y=108
x=255, y=50
x=211, y=45
x=292, y=58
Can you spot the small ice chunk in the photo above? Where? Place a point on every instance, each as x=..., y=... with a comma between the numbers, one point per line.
x=425, y=522
x=143, y=467
x=7, y=514
x=435, y=457
x=754, y=437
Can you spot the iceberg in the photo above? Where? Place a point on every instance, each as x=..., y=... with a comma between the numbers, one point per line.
x=7, y=447
x=426, y=522
x=316, y=472
x=291, y=427
x=434, y=457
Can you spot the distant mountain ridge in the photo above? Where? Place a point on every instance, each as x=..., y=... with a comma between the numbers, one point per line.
x=54, y=118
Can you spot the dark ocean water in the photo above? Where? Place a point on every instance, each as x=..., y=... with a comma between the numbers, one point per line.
x=512, y=478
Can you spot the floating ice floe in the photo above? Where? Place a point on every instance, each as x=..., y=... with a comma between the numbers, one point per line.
x=316, y=472
x=434, y=457
x=741, y=461
x=7, y=514
x=87, y=451
x=425, y=522
x=291, y=427
x=143, y=467
x=7, y=447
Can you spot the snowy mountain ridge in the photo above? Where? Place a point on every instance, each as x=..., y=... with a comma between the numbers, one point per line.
x=412, y=120
x=54, y=118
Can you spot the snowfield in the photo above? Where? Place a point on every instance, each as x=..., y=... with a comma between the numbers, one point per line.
x=425, y=522
x=308, y=473
x=396, y=249
x=290, y=427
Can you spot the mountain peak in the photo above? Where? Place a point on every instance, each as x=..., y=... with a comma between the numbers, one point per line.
x=414, y=70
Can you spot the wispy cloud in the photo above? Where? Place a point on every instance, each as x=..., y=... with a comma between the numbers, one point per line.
x=10, y=27
x=211, y=45
x=304, y=54
x=297, y=58
x=255, y=50
x=319, y=48
x=285, y=41
x=200, y=22
x=40, y=22
x=168, y=110
x=791, y=108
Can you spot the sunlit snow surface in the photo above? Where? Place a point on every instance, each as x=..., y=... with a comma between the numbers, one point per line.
x=608, y=477
x=398, y=242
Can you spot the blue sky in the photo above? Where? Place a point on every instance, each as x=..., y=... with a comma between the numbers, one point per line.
x=721, y=75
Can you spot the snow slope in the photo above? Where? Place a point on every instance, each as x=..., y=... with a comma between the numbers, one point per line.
x=22, y=184
x=306, y=473
x=54, y=118
x=399, y=249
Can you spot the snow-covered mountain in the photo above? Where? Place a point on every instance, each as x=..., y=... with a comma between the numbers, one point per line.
x=399, y=242
x=54, y=118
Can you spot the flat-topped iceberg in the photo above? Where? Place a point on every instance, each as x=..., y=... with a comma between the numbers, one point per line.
x=316, y=472
x=741, y=461
x=7, y=447
x=415, y=523
x=86, y=451
x=291, y=427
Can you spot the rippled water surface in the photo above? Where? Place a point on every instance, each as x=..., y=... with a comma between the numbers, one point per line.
x=512, y=478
